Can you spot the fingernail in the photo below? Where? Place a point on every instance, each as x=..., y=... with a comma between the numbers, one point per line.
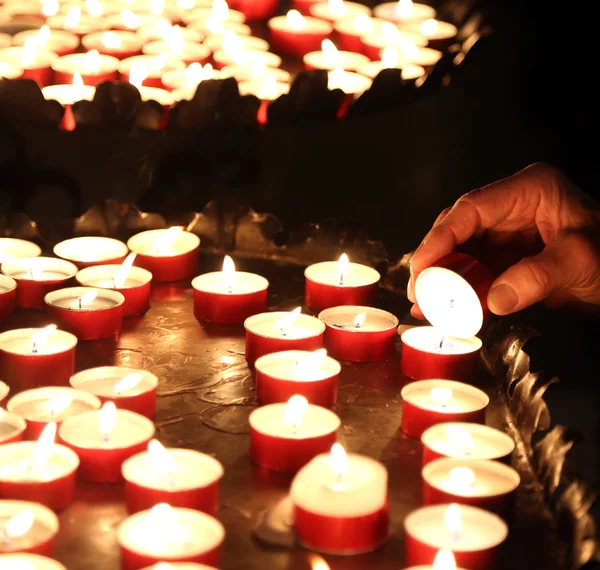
x=502, y=299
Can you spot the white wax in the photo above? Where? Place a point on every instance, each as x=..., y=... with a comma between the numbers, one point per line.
x=423, y=56
x=191, y=50
x=58, y=40
x=343, y=317
x=214, y=43
x=44, y=528
x=10, y=425
x=80, y=63
x=418, y=13
x=237, y=27
x=443, y=31
x=492, y=478
x=311, y=26
x=15, y=461
x=13, y=248
x=151, y=33
x=32, y=405
x=464, y=398
x=86, y=25
x=83, y=431
x=141, y=21
x=102, y=276
x=350, y=10
x=267, y=325
x=180, y=79
x=408, y=72
x=90, y=249
x=488, y=443
x=204, y=13
x=145, y=243
x=245, y=73
x=18, y=341
x=50, y=269
x=192, y=534
x=247, y=57
x=130, y=41
x=362, y=490
x=191, y=470
x=328, y=273
x=264, y=91
x=347, y=26
x=429, y=339
x=10, y=70
x=347, y=60
x=161, y=96
x=481, y=529
x=24, y=561
x=101, y=381
x=150, y=63
x=378, y=39
x=242, y=283
x=288, y=366
x=68, y=94
x=69, y=297
x=317, y=422
x=43, y=57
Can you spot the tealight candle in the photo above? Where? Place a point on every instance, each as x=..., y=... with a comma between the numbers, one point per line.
x=155, y=65
x=359, y=334
x=169, y=534
x=129, y=388
x=91, y=250
x=12, y=427
x=41, y=471
x=76, y=22
x=229, y=296
x=190, y=77
x=334, y=10
x=180, y=477
x=134, y=283
x=334, y=283
x=404, y=11
x=390, y=60
x=416, y=55
x=297, y=35
x=41, y=406
x=37, y=357
x=219, y=11
x=93, y=67
x=116, y=43
x=488, y=485
x=285, y=437
x=349, y=30
x=341, y=503
x=431, y=402
x=465, y=441
x=58, y=41
x=8, y=296
x=188, y=51
x=35, y=61
x=257, y=10
x=252, y=73
x=31, y=562
x=212, y=27
x=37, y=276
x=69, y=94
x=88, y=313
x=126, y=20
x=162, y=30
x=215, y=43
x=170, y=255
x=330, y=58
x=444, y=560
x=246, y=57
x=278, y=331
x=104, y=440
x=27, y=527
x=386, y=35
x=439, y=34
x=472, y=534
x=12, y=248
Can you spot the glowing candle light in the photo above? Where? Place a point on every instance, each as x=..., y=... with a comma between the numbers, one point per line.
x=107, y=419
x=294, y=412
x=285, y=324
x=41, y=337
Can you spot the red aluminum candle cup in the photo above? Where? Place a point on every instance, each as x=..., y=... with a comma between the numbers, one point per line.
x=12, y=427
x=475, y=546
x=91, y=250
x=264, y=334
x=40, y=538
x=190, y=480
x=331, y=284
x=416, y=13
x=489, y=485
x=359, y=334
x=8, y=296
x=255, y=10
x=139, y=549
x=281, y=375
x=33, y=406
x=67, y=66
x=40, y=69
x=59, y=41
x=36, y=277
x=432, y=402
x=52, y=364
x=101, y=461
x=296, y=40
x=177, y=262
x=277, y=446
x=466, y=441
x=352, y=9
x=119, y=44
x=346, y=60
x=53, y=485
x=106, y=383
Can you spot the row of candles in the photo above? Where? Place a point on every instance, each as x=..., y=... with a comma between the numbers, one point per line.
x=145, y=43
x=104, y=421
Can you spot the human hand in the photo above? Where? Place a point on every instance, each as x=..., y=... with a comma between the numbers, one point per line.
x=535, y=229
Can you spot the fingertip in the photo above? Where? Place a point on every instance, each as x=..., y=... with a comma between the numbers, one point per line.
x=416, y=312
x=502, y=299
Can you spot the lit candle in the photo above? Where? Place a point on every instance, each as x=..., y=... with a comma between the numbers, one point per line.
x=334, y=10
x=329, y=58
x=37, y=357
x=341, y=503
x=211, y=27
x=190, y=77
x=91, y=250
x=76, y=22
x=444, y=560
x=41, y=406
x=163, y=29
x=129, y=388
x=22, y=561
x=27, y=527
x=256, y=72
x=127, y=20
x=12, y=248
x=391, y=60
x=465, y=441
x=472, y=534
x=219, y=12
x=404, y=11
x=104, y=440
x=285, y=437
x=155, y=67
x=439, y=34
x=430, y=402
x=59, y=41
x=215, y=43
x=35, y=61
x=386, y=35
x=116, y=43
x=169, y=534
x=184, y=50
x=180, y=477
x=93, y=67
x=247, y=57
x=8, y=296
x=12, y=427
x=69, y=94
x=349, y=30
x=41, y=471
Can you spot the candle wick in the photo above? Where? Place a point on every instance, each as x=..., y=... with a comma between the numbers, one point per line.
x=34, y=347
x=442, y=343
x=456, y=536
x=79, y=303
x=5, y=537
x=171, y=479
x=452, y=303
x=105, y=438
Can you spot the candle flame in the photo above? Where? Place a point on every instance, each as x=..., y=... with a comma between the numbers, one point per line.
x=409, y=51
x=391, y=34
x=220, y=10
x=429, y=27
x=330, y=53
x=59, y=403
x=453, y=518
x=405, y=8
x=288, y=321
x=167, y=239
x=92, y=61
x=337, y=7
x=259, y=68
x=389, y=58
x=215, y=26
x=130, y=20
x=42, y=450
x=160, y=458
x=295, y=20
x=309, y=366
x=162, y=27
x=317, y=563
x=460, y=437
x=20, y=524
x=338, y=459
x=444, y=560
x=77, y=81
x=363, y=24
x=87, y=298
x=123, y=272
x=29, y=52
x=72, y=18
x=335, y=78
x=111, y=40
x=343, y=265
x=35, y=268
x=107, y=419
x=94, y=8
x=441, y=396
x=43, y=36
x=294, y=411
x=157, y=7
x=195, y=73
x=228, y=272
x=359, y=320
x=461, y=477
x=268, y=88
x=174, y=41
x=127, y=383
x=231, y=42
x=41, y=337
x=159, y=62
x=163, y=520
x=50, y=8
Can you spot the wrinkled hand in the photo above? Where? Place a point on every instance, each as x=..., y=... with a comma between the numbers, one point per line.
x=535, y=230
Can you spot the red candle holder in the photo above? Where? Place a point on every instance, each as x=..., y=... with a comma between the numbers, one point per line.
x=58, y=41
x=40, y=406
x=175, y=262
x=415, y=13
x=104, y=69
x=279, y=331
x=184, y=478
x=12, y=427
x=303, y=6
x=281, y=375
x=432, y=402
x=466, y=441
x=40, y=537
x=298, y=40
x=36, y=277
x=8, y=296
x=143, y=540
x=128, y=388
x=119, y=44
x=39, y=69
x=24, y=366
x=359, y=334
x=155, y=69
x=488, y=485
x=256, y=10
x=91, y=250
x=475, y=544
x=335, y=283
x=100, y=318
